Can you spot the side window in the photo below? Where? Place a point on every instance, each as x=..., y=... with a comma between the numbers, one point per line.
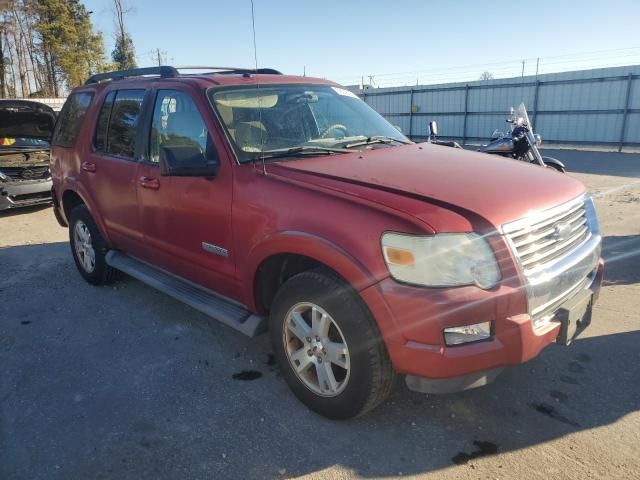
x=176, y=121
x=121, y=132
x=100, y=140
x=71, y=117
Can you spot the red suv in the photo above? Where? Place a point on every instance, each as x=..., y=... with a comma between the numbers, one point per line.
x=280, y=202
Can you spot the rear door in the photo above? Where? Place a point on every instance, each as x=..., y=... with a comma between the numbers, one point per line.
x=186, y=220
x=111, y=167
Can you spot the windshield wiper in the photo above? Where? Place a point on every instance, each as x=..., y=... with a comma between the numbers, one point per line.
x=376, y=139
x=303, y=150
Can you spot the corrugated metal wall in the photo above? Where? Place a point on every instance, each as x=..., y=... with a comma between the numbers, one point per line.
x=589, y=107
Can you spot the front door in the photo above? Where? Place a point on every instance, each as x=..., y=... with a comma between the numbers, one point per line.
x=186, y=220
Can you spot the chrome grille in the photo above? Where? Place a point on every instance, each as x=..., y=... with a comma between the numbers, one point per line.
x=26, y=173
x=547, y=237
x=558, y=252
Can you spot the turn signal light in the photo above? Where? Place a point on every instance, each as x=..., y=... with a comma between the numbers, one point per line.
x=398, y=256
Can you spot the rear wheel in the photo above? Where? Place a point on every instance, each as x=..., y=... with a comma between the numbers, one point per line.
x=89, y=248
x=328, y=346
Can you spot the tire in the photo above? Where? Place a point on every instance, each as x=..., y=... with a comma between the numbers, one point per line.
x=369, y=376
x=557, y=168
x=82, y=227
x=554, y=164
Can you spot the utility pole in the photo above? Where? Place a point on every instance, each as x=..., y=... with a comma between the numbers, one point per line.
x=522, y=69
x=159, y=57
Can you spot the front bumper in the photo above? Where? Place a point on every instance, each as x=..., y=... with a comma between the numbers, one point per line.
x=24, y=193
x=412, y=320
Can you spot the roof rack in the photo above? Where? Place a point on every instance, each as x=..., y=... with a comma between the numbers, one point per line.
x=233, y=70
x=162, y=71
x=165, y=71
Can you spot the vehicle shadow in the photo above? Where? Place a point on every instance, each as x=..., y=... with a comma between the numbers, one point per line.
x=124, y=382
x=622, y=257
x=12, y=212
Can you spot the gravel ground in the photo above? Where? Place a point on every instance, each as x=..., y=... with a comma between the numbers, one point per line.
x=123, y=382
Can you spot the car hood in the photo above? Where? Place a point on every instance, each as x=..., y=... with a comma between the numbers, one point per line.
x=496, y=188
x=26, y=119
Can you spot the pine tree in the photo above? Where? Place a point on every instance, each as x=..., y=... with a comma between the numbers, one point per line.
x=124, y=54
x=70, y=49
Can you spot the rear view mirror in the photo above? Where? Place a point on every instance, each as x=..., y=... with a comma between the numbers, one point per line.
x=186, y=161
x=433, y=128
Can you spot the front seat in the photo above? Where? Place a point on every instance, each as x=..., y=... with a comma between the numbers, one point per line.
x=251, y=136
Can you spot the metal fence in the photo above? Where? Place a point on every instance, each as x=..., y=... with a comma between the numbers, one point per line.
x=55, y=103
x=584, y=108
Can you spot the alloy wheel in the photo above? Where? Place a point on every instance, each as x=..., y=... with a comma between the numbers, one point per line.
x=316, y=349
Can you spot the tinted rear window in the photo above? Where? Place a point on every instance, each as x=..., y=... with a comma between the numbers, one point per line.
x=71, y=117
x=100, y=142
x=122, y=123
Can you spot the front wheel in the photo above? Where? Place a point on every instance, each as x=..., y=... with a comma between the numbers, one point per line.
x=555, y=167
x=328, y=346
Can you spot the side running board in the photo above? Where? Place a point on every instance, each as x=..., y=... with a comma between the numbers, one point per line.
x=222, y=309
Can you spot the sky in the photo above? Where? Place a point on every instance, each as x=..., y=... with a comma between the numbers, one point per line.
x=398, y=42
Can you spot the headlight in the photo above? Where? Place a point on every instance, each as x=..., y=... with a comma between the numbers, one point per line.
x=538, y=139
x=442, y=260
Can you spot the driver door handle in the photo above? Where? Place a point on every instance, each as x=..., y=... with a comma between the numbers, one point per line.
x=149, y=182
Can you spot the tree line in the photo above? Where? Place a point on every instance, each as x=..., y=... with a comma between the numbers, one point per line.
x=48, y=47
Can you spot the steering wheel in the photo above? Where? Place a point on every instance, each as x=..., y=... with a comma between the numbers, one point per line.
x=335, y=126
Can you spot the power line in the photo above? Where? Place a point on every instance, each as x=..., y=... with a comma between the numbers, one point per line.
x=505, y=69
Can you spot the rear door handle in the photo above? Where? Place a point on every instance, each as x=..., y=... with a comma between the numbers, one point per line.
x=88, y=166
x=148, y=182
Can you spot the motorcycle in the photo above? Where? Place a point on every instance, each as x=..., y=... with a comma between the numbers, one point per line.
x=520, y=144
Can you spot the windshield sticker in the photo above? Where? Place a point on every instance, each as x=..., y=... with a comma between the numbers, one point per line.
x=342, y=91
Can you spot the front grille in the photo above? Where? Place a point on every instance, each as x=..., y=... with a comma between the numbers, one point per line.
x=30, y=197
x=558, y=252
x=548, y=237
x=26, y=173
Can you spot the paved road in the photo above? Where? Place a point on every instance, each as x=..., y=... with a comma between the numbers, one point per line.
x=125, y=383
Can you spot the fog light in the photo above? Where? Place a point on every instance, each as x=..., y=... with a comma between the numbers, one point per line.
x=467, y=333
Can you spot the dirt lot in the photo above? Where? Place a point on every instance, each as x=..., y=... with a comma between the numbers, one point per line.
x=122, y=382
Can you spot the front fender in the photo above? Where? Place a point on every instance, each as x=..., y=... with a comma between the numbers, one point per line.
x=317, y=248
x=553, y=161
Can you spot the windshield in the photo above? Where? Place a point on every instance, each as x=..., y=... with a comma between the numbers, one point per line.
x=521, y=117
x=10, y=143
x=264, y=120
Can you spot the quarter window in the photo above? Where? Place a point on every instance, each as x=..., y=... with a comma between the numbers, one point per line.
x=176, y=122
x=71, y=117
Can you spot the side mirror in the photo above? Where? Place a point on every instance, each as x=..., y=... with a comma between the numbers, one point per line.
x=433, y=128
x=186, y=161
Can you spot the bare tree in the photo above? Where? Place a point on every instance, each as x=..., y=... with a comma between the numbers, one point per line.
x=123, y=54
x=486, y=76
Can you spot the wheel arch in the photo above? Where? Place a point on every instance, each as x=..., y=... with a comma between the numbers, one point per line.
x=71, y=198
x=285, y=254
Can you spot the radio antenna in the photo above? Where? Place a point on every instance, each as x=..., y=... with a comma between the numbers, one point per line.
x=255, y=59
